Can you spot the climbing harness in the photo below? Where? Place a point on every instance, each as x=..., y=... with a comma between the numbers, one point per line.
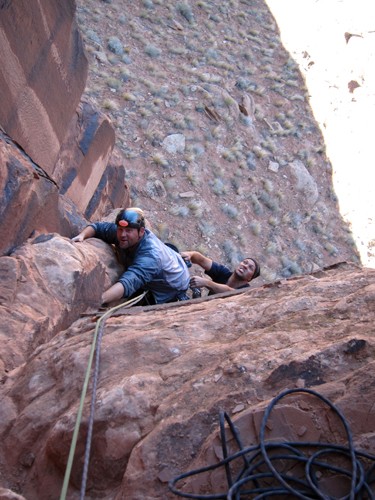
x=95, y=349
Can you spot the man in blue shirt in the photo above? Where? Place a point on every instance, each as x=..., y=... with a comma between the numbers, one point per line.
x=149, y=263
x=222, y=278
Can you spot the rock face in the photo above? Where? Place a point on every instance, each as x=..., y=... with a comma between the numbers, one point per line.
x=28, y=195
x=86, y=171
x=166, y=371
x=43, y=74
x=57, y=158
x=45, y=285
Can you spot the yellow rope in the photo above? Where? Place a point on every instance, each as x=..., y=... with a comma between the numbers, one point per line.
x=106, y=315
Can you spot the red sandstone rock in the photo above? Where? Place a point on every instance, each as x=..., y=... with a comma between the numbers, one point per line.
x=44, y=286
x=112, y=191
x=88, y=171
x=165, y=372
x=57, y=158
x=29, y=198
x=43, y=74
x=31, y=203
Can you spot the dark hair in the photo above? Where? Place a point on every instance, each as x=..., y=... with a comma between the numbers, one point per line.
x=256, y=270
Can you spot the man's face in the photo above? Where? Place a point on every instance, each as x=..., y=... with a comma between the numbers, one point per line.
x=129, y=236
x=245, y=269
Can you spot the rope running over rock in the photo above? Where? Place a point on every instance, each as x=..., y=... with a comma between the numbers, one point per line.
x=95, y=349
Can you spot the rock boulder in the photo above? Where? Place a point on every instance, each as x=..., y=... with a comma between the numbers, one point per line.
x=44, y=286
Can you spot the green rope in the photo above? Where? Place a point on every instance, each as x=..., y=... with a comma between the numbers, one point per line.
x=84, y=390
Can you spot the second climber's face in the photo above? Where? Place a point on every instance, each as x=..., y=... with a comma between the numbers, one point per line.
x=245, y=270
x=129, y=236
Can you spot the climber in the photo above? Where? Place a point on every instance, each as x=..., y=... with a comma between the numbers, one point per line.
x=222, y=278
x=149, y=263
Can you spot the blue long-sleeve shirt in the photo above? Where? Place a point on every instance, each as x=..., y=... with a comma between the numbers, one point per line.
x=150, y=265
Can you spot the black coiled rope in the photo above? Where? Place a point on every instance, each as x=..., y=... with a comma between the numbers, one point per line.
x=260, y=478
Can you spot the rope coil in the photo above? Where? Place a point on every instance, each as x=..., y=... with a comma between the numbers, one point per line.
x=260, y=478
